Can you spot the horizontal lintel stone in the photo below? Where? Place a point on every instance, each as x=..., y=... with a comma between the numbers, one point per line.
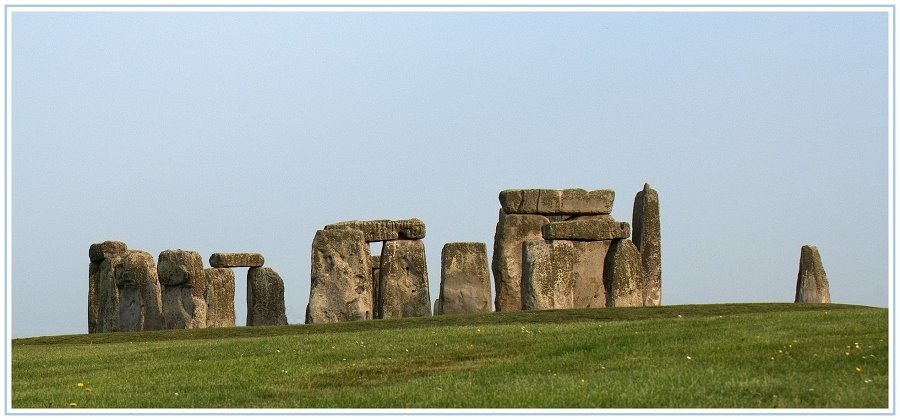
x=586, y=230
x=550, y=202
x=236, y=259
x=384, y=230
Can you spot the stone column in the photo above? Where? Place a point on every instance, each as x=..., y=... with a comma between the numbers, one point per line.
x=622, y=275
x=465, y=281
x=103, y=295
x=375, y=263
x=265, y=297
x=404, y=280
x=184, y=289
x=512, y=231
x=547, y=274
x=812, y=283
x=645, y=218
x=219, y=297
x=341, y=277
x=140, y=301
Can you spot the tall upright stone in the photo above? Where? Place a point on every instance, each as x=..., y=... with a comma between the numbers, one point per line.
x=645, y=218
x=512, y=231
x=103, y=298
x=622, y=275
x=219, y=297
x=404, y=280
x=341, y=277
x=465, y=281
x=375, y=263
x=184, y=289
x=265, y=297
x=812, y=283
x=140, y=301
x=548, y=274
x=587, y=289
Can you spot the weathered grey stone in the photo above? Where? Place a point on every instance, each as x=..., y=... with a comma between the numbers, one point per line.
x=465, y=281
x=645, y=218
x=184, y=289
x=569, y=201
x=548, y=274
x=93, y=300
x=404, y=280
x=512, y=231
x=107, y=296
x=236, y=259
x=140, y=300
x=622, y=275
x=219, y=297
x=586, y=230
x=384, y=230
x=588, y=289
x=265, y=297
x=437, y=307
x=108, y=249
x=341, y=277
x=812, y=283
x=375, y=263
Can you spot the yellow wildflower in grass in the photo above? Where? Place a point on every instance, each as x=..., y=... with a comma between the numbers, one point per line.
x=80, y=384
x=73, y=405
x=88, y=390
x=858, y=369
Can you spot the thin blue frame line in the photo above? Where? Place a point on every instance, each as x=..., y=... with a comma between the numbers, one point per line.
x=578, y=6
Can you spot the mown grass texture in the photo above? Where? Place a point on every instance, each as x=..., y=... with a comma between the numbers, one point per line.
x=690, y=356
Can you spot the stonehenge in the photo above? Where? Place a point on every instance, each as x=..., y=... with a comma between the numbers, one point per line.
x=129, y=291
x=553, y=249
x=812, y=283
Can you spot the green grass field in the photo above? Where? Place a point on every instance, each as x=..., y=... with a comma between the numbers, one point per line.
x=690, y=356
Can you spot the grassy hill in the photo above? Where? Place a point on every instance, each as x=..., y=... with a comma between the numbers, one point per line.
x=696, y=356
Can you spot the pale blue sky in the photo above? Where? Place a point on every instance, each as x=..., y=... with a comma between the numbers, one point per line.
x=221, y=132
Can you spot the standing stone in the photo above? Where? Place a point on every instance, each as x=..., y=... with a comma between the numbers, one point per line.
x=569, y=201
x=184, y=289
x=375, y=263
x=812, y=284
x=645, y=218
x=236, y=259
x=384, y=230
x=219, y=297
x=265, y=297
x=97, y=253
x=404, y=280
x=588, y=289
x=512, y=231
x=107, y=296
x=341, y=277
x=547, y=274
x=465, y=281
x=437, y=307
x=140, y=301
x=622, y=275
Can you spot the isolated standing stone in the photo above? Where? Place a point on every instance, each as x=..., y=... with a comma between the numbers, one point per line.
x=569, y=201
x=512, y=231
x=548, y=274
x=588, y=289
x=236, y=259
x=586, y=230
x=645, y=218
x=404, y=280
x=341, y=277
x=219, y=297
x=622, y=275
x=140, y=300
x=384, y=230
x=184, y=289
x=265, y=297
x=812, y=283
x=465, y=281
